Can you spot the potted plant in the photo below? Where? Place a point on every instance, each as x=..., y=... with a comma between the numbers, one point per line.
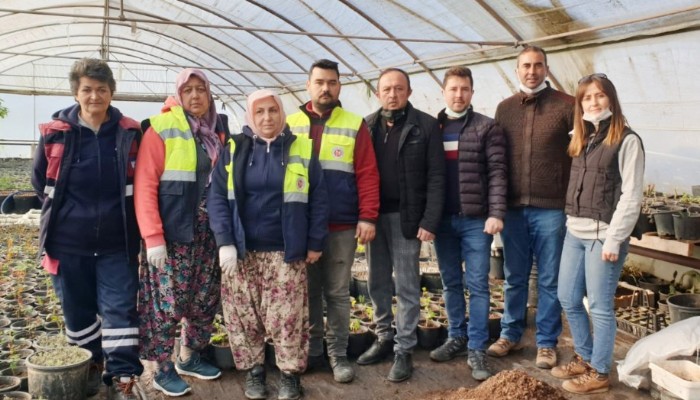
x=18, y=369
x=47, y=342
x=59, y=373
x=359, y=279
x=495, y=324
x=429, y=331
x=16, y=395
x=9, y=383
x=359, y=339
x=223, y=357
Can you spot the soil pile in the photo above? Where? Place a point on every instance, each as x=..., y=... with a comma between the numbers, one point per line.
x=506, y=385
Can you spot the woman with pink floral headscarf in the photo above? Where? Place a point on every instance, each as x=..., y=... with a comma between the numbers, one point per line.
x=180, y=281
x=269, y=213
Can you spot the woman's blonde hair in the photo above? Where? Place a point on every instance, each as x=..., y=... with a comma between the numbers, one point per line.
x=617, y=123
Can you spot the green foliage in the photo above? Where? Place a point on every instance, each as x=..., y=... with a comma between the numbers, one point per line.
x=354, y=325
x=3, y=110
x=220, y=334
x=6, y=183
x=369, y=312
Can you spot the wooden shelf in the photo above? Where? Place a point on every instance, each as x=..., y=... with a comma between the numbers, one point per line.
x=651, y=240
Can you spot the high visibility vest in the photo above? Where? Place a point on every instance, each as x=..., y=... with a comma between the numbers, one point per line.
x=296, y=175
x=338, y=144
x=180, y=146
x=337, y=158
x=178, y=194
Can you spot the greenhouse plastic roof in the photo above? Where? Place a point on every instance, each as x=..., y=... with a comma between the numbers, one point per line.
x=246, y=45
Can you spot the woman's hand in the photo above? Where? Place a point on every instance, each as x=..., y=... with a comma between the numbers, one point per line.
x=608, y=256
x=157, y=255
x=312, y=256
x=228, y=260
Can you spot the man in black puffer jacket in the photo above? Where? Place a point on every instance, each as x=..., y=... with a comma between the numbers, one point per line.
x=411, y=167
x=475, y=205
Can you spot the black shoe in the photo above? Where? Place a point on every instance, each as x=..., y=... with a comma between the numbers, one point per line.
x=402, y=368
x=452, y=348
x=342, y=370
x=480, y=367
x=290, y=387
x=317, y=363
x=94, y=381
x=376, y=353
x=255, y=383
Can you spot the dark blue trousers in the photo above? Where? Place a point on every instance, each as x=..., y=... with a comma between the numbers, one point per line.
x=98, y=296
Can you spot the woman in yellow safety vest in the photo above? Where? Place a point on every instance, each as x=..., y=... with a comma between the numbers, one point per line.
x=180, y=281
x=269, y=213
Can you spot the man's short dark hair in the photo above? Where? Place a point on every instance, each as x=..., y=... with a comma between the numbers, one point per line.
x=325, y=64
x=386, y=71
x=91, y=68
x=536, y=49
x=460, y=71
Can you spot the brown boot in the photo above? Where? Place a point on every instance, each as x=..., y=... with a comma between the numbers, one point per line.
x=502, y=346
x=588, y=383
x=574, y=368
x=546, y=357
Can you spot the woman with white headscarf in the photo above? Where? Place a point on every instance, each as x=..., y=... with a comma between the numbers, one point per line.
x=269, y=212
x=180, y=281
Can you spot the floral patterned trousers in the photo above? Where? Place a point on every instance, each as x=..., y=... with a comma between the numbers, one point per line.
x=267, y=298
x=186, y=290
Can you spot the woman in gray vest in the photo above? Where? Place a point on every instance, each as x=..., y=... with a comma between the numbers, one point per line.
x=603, y=202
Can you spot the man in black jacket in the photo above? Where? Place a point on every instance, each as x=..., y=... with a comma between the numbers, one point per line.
x=475, y=205
x=411, y=167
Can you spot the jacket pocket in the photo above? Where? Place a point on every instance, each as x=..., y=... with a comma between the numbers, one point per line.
x=296, y=179
x=171, y=204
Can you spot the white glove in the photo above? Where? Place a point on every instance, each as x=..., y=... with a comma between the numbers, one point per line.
x=228, y=259
x=157, y=255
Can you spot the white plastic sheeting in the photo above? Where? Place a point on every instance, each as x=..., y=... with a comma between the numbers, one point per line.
x=648, y=48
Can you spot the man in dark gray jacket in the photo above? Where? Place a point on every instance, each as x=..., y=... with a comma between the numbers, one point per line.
x=411, y=167
x=475, y=205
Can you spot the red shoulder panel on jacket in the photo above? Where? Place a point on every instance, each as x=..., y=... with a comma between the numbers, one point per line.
x=128, y=123
x=53, y=127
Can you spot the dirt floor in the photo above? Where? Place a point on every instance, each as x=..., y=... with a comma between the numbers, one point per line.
x=428, y=378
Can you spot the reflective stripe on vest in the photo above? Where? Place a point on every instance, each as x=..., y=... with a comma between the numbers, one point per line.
x=296, y=176
x=180, y=146
x=231, y=194
x=339, y=133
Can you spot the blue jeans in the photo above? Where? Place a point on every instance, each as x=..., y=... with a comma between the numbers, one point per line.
x=104, y=286
x=584, y=273
x=391, y=252
x=540, y=232
x=463, y=239
x=330, y=278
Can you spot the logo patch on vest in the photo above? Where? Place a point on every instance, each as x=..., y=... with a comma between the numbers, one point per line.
x=301, y=183
x=338, y=152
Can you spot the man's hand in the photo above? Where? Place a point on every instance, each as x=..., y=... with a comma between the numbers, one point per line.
x=493, y=225
x=365, y=232
x=228, y=260
x=157, y=255
x=312, y=256
x=425, y=236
